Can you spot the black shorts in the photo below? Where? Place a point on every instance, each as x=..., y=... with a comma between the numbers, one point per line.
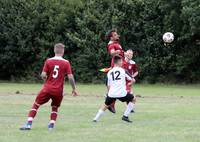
x=128, y=98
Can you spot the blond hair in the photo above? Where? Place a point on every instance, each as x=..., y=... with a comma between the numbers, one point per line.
x=59, y=45
x=58, y=48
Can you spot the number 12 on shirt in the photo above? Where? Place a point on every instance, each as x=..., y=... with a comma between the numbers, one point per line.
x=115, y=75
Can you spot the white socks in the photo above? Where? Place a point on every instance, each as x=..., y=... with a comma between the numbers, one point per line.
x=30, y=119
x=99, y=114
x=52, y=121
x=129, y=107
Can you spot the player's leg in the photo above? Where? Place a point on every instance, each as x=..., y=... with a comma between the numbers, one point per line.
x=129, y=99
x=111, y=108
x=100, y=112
x=103, y=108
x=134, y=102
x=42, y=98
x=130, y=91
x=32, y=113
x=56, y=101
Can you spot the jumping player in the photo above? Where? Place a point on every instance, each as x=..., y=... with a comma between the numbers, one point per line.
x=114, y=48
x=53, y=74
x=117, y=89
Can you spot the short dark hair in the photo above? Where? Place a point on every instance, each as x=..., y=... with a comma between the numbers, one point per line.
x=117, y=58
x=109, y=33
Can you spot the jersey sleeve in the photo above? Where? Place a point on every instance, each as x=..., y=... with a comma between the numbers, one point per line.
x=128, y=75
x=134, y=68
x=111, y=47
x=45, y=67
x=68, y=68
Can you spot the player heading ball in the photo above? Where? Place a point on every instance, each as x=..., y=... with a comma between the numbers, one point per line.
x=117, y=89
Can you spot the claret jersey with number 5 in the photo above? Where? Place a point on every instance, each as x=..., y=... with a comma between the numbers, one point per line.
x=56, y=68
x=117, y=82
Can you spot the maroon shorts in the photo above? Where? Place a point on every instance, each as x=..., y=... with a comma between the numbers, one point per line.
x=45, y=95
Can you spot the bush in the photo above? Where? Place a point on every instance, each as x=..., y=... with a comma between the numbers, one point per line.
x=29, y=29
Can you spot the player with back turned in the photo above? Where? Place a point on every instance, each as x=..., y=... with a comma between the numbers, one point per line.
x=117, y=89
x=54, y=71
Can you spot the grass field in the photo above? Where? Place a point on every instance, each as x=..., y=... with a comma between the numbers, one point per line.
x=164, y=113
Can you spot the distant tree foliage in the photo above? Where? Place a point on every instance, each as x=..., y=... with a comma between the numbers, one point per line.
x=30, y=28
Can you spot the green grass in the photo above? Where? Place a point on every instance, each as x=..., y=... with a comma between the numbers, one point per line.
x=164, y=113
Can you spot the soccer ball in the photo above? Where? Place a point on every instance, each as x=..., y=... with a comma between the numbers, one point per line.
x=168, y=37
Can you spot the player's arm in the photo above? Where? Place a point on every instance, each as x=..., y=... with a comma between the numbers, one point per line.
x=73, y=84
x=114, y=52
x=135, y=71
x=71, y=80
x=135, y=74
x=129, y=77
x=108, y=82
x=44, y=75
x=44, y=71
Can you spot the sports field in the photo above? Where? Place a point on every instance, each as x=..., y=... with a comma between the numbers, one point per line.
x=164, y=113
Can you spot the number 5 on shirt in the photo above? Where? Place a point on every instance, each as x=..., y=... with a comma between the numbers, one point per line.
x=55, y=71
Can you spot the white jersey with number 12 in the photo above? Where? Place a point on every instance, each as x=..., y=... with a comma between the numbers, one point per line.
x=117, y=82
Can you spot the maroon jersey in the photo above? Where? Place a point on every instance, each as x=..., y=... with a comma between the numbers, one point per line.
x=56, y=69
x=116, y=46
x=131, y=68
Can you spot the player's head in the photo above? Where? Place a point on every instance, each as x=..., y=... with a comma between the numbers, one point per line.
x=129, y=54
x=59, y=49
x=113, y=35
x=118, y=60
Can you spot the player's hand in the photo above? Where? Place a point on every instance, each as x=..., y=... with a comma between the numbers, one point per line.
x=130, y=83
x=74, y=93
x=44, y=78
x=133, y=80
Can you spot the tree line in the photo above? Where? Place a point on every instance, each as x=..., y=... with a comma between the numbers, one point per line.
x=30, y=28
